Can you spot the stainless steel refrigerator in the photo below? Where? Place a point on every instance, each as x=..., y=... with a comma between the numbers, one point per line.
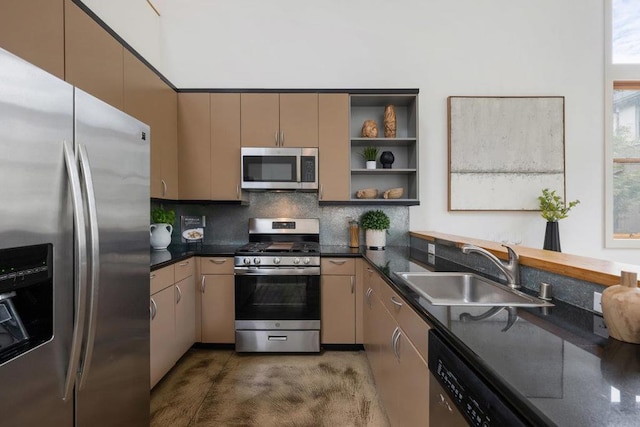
x=74, y=256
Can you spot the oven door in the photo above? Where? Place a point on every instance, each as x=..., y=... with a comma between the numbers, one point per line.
x=263, y=300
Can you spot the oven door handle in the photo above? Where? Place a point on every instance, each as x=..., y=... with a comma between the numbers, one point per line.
x=279, y=271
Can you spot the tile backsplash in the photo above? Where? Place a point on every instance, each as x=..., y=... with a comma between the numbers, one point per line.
x=227, y=223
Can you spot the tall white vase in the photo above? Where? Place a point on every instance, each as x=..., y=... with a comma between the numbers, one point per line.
x=376, y=239
x=160, y=235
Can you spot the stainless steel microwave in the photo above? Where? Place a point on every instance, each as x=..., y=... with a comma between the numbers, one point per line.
x=279, y=168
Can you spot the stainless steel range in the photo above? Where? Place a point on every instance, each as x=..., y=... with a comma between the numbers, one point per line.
x=277, y=286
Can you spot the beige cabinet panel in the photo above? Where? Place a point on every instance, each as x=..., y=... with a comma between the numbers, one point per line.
x=163, y=333
x=185, y=294
x=167, y=132
x=410, y=409
x=225, y=146
x=34, y=31
x=161, y=278
x=217, y=308
x=93, y=58
x=194, y=146
x=216, y=265
x=359, y=301
x=184, y=269
x=260, y=119
x=338, y=305
x=341, y=266
x=334, y=150
x=299, y=119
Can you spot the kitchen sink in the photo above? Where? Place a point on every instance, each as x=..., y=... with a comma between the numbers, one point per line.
x=466, y=289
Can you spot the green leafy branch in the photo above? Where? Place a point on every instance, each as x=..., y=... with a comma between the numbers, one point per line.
x=553, y=207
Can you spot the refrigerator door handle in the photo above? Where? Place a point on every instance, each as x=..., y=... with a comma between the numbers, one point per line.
x=94, y=259
x=80, y=270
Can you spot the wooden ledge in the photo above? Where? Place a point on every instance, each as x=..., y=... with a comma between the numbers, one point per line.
x=593, y=270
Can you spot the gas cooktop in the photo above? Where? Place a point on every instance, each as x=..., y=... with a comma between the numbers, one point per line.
x=286, y=248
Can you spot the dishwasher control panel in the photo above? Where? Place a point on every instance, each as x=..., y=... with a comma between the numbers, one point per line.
x=476, y=400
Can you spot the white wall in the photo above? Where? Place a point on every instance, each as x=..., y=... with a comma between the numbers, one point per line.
x=443, y=48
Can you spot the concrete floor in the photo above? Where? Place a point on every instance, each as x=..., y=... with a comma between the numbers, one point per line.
x=222, y=388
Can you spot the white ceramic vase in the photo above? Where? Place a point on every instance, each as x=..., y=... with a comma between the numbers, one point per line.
x=160, y=235
x=371, y=164
x=376, y=239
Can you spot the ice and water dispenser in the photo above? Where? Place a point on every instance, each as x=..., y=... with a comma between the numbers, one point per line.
x=26, y=299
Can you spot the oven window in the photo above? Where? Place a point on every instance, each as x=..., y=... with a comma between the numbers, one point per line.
x=277, y=297
x=269, y=168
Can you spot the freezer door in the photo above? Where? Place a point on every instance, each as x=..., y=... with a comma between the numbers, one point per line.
x=113, y=152
x=36, y=116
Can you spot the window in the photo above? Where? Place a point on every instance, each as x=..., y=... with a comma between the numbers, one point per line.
x=622, y=123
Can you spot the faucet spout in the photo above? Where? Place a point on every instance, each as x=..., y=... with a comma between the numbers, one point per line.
x=511, y=269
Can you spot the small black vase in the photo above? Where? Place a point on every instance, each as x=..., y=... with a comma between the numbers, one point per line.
x=552, y=237
x=387, y=159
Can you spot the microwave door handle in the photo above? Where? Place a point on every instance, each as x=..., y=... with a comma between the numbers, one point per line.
x=94, y=253
x=80, y=270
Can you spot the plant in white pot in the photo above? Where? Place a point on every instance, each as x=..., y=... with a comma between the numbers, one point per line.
x=161, y=228
x=375, y=223
x=370, y=155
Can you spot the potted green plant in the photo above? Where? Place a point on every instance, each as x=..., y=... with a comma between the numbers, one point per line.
x=370, y=155
x=553, y=209
x=375, y=223
x=161, y=227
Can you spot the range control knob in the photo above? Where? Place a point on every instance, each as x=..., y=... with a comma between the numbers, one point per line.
x=246, y=261
x=307, y=260
x=296, y=261
x=276, y=261
x=256, y=261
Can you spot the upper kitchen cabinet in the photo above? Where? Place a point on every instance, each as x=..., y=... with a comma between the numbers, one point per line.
x=94, y=60
x=34, y=31
x=333, y=144
x=152, y=101
x=403, y=172
x=209, y=146
x=279, y=120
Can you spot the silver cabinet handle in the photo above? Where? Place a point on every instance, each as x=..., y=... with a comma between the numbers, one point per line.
x=277, y=338
x=281, y=138
x=396, y=302
x=276, y=137
x=182, y=264
x=394, y=342
x=94, y=253
x=202, y=284
x=217, y=260
x=353, y=283
x=80, y=273
x=368, y=296
x=154, y=309
x=237, y=191
x=164, y=187
x=321, y=192
x=152, y=276
x=338, y=262
x=369, y=270
x=179, y=294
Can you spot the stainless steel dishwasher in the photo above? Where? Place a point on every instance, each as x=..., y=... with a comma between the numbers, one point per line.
x=459, y=397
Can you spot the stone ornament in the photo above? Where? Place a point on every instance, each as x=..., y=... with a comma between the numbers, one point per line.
x=389, y=121
x=370, y=129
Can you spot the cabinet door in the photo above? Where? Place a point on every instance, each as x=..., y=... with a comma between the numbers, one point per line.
x=299, y=119
x=217, y=307
x=167, y=132
x=194, y=146
x=34, y=31
x=163, y=332
x=93, y=58
x=338, y=303
x=185, y=315
x=333, y=144
x=260, y=117
x=410, y=409
x=225, y=146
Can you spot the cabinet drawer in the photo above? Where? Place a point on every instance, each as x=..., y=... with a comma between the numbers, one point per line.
x=184, y=269
x=339, y=266
x=216, y=265
x=161, y=278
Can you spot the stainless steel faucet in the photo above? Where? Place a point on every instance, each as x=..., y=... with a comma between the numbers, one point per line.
x=511, y=270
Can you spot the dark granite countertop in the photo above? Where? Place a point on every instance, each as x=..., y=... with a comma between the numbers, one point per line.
x=550, y=365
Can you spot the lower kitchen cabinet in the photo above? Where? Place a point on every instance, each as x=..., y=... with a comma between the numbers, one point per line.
x=400, y=372
x=217, y=300
x=172, y=309
x=340, y=304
